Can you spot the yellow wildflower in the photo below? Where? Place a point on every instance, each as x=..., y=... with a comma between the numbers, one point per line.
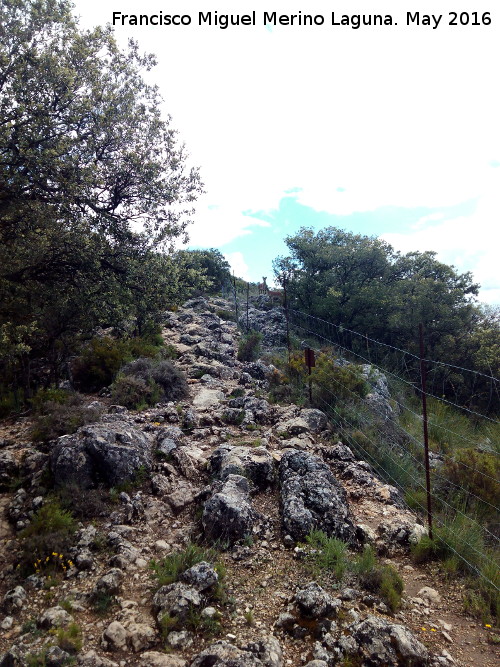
x=486, y=625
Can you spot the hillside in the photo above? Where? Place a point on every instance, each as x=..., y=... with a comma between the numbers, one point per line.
x=202, y=531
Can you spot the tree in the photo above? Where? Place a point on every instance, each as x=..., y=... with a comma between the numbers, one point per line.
x=93, y=181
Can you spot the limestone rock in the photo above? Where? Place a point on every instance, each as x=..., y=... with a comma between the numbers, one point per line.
x=387, y=644
x=312, y=498
x=107, y=453
x=54, y=617
x=14, y=600
x=155, y=659
x=228, y=515
x=223, y=654
x=176, y=600
x=201, y=576
x=314, y=602
x=114, y=637
x=256, y=463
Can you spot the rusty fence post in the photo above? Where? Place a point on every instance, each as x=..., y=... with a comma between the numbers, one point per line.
x=311, y=362
x=423, y=377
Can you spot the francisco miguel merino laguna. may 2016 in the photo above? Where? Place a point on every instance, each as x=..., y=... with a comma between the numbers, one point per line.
x=224, y=21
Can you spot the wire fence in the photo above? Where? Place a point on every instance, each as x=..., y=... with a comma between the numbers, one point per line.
x=403, y=460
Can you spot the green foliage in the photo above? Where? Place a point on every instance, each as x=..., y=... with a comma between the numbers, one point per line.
x=62, y=415
x=69, y=639
x=249, y=346
x=360, y=283
x=328, y=553
x=382, y=580
x=102, y=602
x=168, y=569
x=146, y=381
x=85, y=155
x=332, y=382
x=476, y=473
x=226, y=315
x=134, y=392
x=50, y=530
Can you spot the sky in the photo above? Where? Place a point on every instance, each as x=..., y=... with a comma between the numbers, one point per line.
x=389, y=131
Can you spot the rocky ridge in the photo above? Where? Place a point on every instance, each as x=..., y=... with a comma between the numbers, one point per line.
x=229, y=469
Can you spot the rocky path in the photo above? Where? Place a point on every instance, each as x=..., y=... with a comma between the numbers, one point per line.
x=223, y=467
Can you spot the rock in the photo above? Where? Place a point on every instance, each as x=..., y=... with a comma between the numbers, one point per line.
x=14, y=600
x=314, y=602
x=140, y=636
x=8, y=469
x=429, y=594
x=181, y=639
x=417, y=533
x=223, y=654
x=285, y=620
x=165, y=447
x=256, y=463
x=101, y=453
x=201, y=576
x=109, y=583
x=291, y=427
x=228, y=515
x=7, y=623
x=268, y=651
x=176, y=600
x=54, y=617
x=91, y=659
x=317, y=663
x=155, y=659
x=387, y=644
x=315, y=419
x=56, y=657
x=312, y=498
x=114, y=637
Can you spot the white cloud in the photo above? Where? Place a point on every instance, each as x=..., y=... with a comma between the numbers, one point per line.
x=215, y=226
x=397, y=116
x=470, y=243
x=238, y=264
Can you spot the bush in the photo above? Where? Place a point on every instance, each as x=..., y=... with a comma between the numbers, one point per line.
x=476, y=473
x=249, y=346
x=61, y=415
x=49, y=532
x=69, y=639
x=99, y=363
x=333, y=382
x=168, y=570
x=102, y=358
x=147, y=381
x=329, y=553
x=134, y=392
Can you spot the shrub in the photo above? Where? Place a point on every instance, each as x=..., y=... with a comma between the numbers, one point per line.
x=382, y=580
x=134, y=392
x=168, y=569
x=50, y=532
x=476, y=473
x=99, y=363
x=329, y=553
x=61, y=415
x=69, y=639
x=333, y=382
x=226, y=315
x=249, y=346
x=162, y=380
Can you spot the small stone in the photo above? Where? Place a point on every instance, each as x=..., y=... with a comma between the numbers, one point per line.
x=429, y=594
x=447, y=636
x=230, y=636
x=7, y=622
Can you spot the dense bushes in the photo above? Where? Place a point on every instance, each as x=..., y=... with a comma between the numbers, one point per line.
x=146, y=381
x=59, y=412
x=249, y=346
x=101, y=359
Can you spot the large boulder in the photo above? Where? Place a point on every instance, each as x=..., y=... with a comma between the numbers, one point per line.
x=314, y=602
x=255, y=463
x=8, y=469
x=312, y=499
x=175, y=600
x=387, y=644
x=101, y=453
x=228, y=515
x=223, y=654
